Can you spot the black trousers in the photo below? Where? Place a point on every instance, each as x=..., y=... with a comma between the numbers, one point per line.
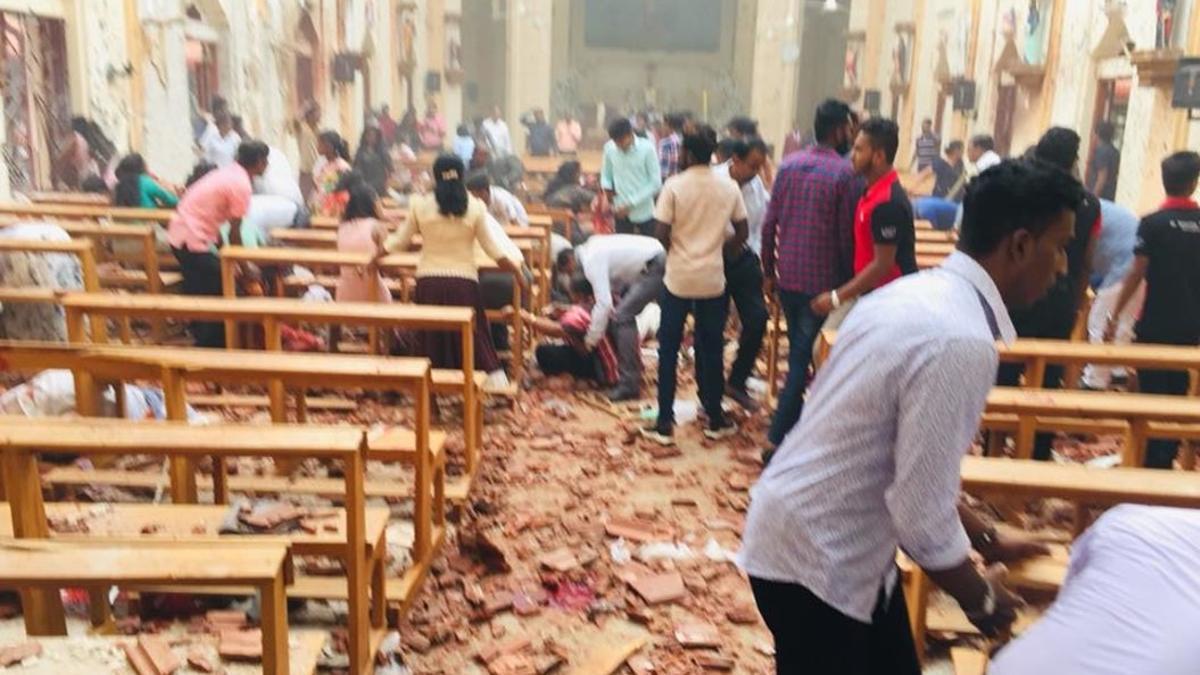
x=627, y=226
x=813, y=637
x=743, y=285
x=202, y=276
x=1009, y=375
x=1160, y=452
x=565, y=360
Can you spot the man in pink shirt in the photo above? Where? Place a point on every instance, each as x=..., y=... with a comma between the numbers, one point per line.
x=432, y=129
x=223, y=196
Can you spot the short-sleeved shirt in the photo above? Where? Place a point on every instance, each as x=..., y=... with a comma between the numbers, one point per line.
x=698, y=204
x=224, y=194
x=885, y=216
x=1170, y=240
x=1105, y=158
x=928, y=146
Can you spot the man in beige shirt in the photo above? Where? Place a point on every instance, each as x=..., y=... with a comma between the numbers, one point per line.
x=693, y=211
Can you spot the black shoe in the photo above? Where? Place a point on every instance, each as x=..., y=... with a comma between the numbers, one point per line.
x=723, y=429
x=664, y=437
x=622, y=393
x=743, y=398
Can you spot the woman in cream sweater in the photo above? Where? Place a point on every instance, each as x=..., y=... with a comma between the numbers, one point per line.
x=450, y=222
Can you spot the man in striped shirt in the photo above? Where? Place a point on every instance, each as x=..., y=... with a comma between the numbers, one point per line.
x=873, y=465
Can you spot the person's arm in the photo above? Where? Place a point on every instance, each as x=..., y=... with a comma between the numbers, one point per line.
x=402, y=237
x=494, y=250
x=547, y=327
x=994, y=545
x=597, y=273
x=606, y=176
x=741, y=227
x=1129, y=285
x=1099, y=181
x=771, y=231
x=664, y=216
x=159, y=195
x=887, y=222
x=938, y=416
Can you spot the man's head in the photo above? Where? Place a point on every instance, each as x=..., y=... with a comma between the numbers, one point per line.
x=749, y=155
x=496, y=113
x=581, y=291
x=876, y=146
x=832, y=125
x=674, y=122
x=386, y=110
x=954, y=152
x=431, y=108
x=927, y=127
x=1059, y=146
x=1105, y=131
x=741, y=126
x=1018, y=219
x=698, y=147
x=480, y=185
x=481, y=156
x=539, y=115
x=980, y=144
x=725, y=148
x=621, y=133
x=565, y=262
x=224, y=122
x=252, y=155
x=1180, y=173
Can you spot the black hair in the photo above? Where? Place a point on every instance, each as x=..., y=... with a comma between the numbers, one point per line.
x=954, y=146
x=449, y=188
x=884, y=135
x=983, y=142
x=1058, y=146
x=619, y=128
x=199, y=171
x=478, y=180
x=726, y=148
x=335, y=141
x=831, y=115
x=567, y=174
x=743, y=147
x=379, y=147
x=581, y=286
x=129, y=172
x=362, y=202
x=564, y=256
x=701, y=143
x=1014, y=195
x=1105, y=131
x=743, y=125
x=348, y=180
x=94, y=184
x=250, y=153
x=1180, y=172
x=675, y=120
x=463, y=130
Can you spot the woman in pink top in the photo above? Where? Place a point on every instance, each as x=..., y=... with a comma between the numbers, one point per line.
x=362, y=231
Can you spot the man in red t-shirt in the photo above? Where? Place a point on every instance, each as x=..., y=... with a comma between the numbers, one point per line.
x=884, y=237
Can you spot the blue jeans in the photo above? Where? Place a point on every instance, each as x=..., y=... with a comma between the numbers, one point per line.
x=941, y=213
x=710, y=326
x=803, y=327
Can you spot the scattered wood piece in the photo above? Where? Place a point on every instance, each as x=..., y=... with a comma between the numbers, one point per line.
x=159, y=652
x=237, y=645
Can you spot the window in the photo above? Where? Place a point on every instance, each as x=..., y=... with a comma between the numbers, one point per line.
x=33, y=78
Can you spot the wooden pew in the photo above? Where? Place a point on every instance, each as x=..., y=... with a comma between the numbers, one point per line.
x=22, y=438
x=88, y=212
x=935, y=248
x=80, y=249
x=48, y=566
x=270, y=312
x=79, y=198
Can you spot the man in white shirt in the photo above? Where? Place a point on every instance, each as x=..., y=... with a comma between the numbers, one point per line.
x=743, y=269
x=982, y=153
x=633, y=266
x=1130, y=602
x=495, y=131
x=874, y=463
x=501, y=203
x=220, y=142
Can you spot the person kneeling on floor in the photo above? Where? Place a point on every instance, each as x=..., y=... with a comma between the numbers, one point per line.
x=574, y=356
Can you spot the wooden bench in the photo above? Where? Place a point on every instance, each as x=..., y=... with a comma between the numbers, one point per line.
x=28, y=295
x=271, y=312
x=22, y=438
x=935, y=248
x=80, y=198
x=48, y=566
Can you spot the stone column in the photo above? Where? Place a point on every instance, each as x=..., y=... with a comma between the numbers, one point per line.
x=530, y=25
x=775, y=71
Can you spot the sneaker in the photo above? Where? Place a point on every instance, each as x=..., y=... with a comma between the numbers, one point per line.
x=725, y=429
x=656, y=434
x=743, y=398
x=620, y=393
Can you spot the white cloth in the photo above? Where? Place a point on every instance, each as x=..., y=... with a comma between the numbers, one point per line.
x=268, y=212
x=611, y=263
x=506, y=208
x=757, y=199
x=218, y=149
x=496, y=133
x=279, y=179
x=874, y=463
x=1130, y=603
x=986, y=161
x=1096, y=376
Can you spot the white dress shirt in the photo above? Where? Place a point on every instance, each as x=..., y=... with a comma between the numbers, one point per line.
x=218, y=149
x=874, y=463
x=1130, y=603
x=496, y=132
x=757, y=199
x=611, y=263
x=986, y=161
x=507, y=208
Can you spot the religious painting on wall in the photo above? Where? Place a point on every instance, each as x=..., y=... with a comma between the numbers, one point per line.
x=407, y=30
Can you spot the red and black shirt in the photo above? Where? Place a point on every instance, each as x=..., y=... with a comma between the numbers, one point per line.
x=1170, y=240
x=884, y=216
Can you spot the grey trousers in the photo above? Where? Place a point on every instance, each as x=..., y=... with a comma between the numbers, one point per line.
x=623, y=325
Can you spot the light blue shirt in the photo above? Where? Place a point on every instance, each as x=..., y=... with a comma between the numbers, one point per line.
x=464, y=147
x=634, y=175
x=1114, y=249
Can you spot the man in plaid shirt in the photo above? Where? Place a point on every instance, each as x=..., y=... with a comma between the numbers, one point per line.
x=668, y=147
x=808, y=246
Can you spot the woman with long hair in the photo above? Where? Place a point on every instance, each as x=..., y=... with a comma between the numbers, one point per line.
x=361, y=231
x=450, y=222
x=332, y=162
x=136, y=188
x=373, y=161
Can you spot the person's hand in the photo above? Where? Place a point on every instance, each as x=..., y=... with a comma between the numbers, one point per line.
x=1110, y=328
x=822, y=305
x=1006, y=548
x=1000, y=620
